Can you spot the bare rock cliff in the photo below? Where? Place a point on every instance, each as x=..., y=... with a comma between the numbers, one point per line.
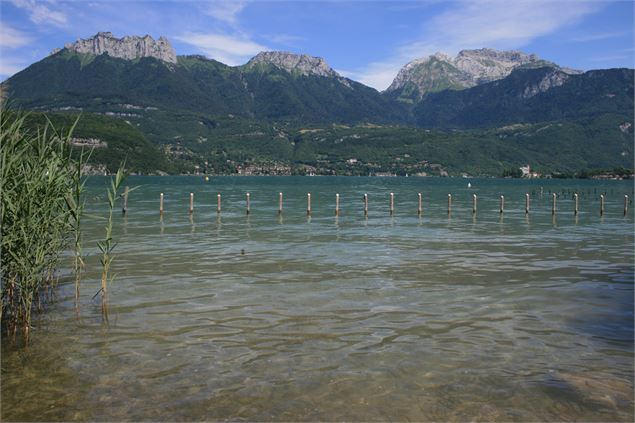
x=468, y=69
x=555, y=78
x=128, y=47
x=301, y=63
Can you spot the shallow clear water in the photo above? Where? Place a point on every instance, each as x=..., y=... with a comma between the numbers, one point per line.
x=445, y=318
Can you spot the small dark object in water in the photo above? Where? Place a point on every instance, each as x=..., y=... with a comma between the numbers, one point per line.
x=242, y=251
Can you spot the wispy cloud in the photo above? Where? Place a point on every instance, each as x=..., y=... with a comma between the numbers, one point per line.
x=229, y=49
x=284, y=39
x=378, y=75
x=411, y=5
x=471, y=24
x=10, y=65
x=11, y=41
x=12, y=38
x=41, y=14
x=497, y=23
x=225, y=11
x=228, y=43
x=601, y=36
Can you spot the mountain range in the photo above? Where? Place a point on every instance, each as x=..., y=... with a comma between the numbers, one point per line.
x=190, y=107
x=468, y=69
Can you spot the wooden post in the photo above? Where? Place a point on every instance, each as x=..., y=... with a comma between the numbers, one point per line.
x=473, y=203
x=601, y=204
x=280, y=205
x=526, y=203
x=576, y=201
x=308, y=204
x=502, y=207
x=449, y=203
x=191, y=202
x=419, y=205
x=125, y=200
x=337, y=204
x=218, y=203
x=365, y=204
x=161, y=204
x=625, y=205
x=392, y=203
x=248, y=205
x=553, y=203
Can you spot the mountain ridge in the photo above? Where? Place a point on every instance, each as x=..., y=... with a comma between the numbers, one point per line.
x=284, y=110
x=263, y=91
x=530, y=96
x=304, y=64
x=129, y=47
x=427, y=74
x=467, y=69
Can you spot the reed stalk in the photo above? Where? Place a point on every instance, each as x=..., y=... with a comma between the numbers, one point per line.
x=76, y=204
x=107, y=245
x=36, y=219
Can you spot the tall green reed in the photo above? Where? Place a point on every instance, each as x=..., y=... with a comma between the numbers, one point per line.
x=76, y=204
x=38, y=175
x=107, y=245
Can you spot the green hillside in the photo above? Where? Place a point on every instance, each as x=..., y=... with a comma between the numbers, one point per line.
x=196, y=84
x=522, y=97
x=199, y=115
x=561, y=146
x=187, y=143
x=87, y=82
x=282, y=95
x=111, y=140
x=225, y=143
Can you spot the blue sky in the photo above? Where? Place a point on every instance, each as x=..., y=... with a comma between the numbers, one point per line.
x=368, y=41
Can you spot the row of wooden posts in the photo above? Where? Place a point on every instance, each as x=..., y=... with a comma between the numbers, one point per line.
x=392, y=203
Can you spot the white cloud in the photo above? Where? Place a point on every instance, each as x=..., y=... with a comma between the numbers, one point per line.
x=10, y=66
x=601, y=36
x=470, y=24
x=231, y=50
x=284, y=39
x=41, y=14
x=12, y=38
x=230, y=45
x=225, y=11
x=500, y=24
x=378, y=75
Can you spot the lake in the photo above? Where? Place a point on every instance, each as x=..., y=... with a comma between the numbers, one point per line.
x=444, y=317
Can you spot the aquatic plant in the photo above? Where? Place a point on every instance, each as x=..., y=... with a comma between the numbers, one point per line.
x=76, y=204
x=38, y=175
x=107, y=245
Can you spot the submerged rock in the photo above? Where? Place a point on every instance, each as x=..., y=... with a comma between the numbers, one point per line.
x=600, y=387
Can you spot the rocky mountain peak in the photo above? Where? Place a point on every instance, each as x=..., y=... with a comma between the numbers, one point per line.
x=290, y=62
x=440, y=56
x=128, y=47
x=486, y=64
x=502, y=55
x=467, y=69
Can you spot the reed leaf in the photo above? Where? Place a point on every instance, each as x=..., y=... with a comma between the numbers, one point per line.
x=40, y=213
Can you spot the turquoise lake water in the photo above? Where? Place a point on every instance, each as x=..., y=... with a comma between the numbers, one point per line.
x=444, y=317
